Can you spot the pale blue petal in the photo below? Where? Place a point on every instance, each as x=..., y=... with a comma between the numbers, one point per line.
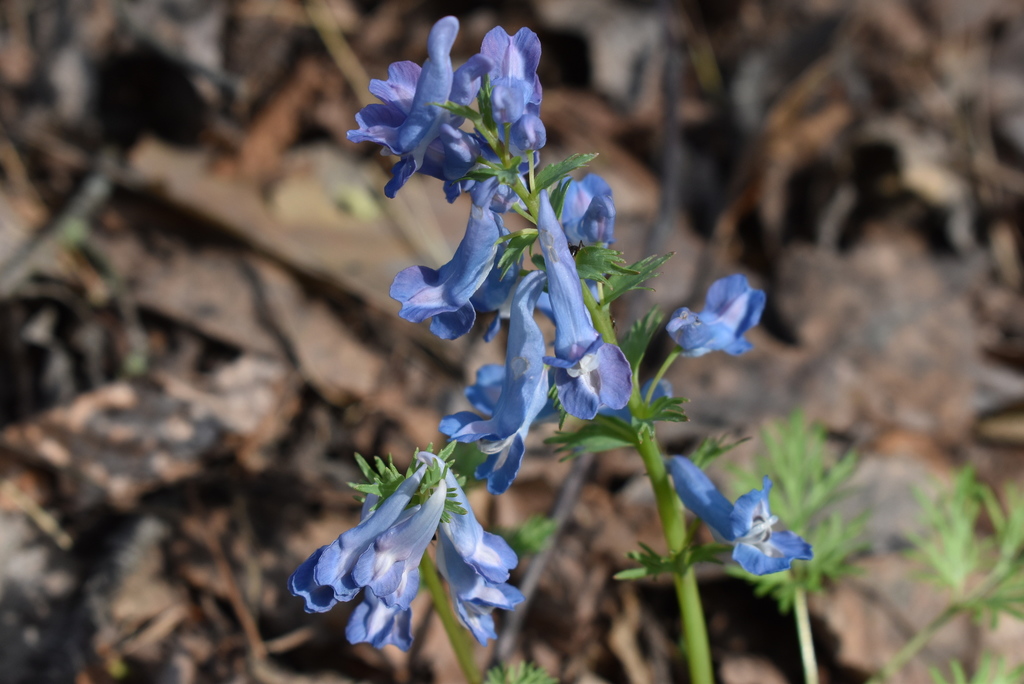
x=750, y=508
x=334, y=567
x=700, y=495
x=732, y=308
x=378, y=624
x=389, y=566
x=302, y=583
x=757, y=563
x=523, y=394
x=474, y=596
x=425, y=293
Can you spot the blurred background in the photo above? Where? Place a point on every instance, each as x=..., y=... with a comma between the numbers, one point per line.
x=195, y=332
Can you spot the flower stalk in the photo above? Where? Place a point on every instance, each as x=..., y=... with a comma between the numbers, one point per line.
x=457, y=636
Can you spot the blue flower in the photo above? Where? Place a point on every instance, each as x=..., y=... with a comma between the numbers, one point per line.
x=326, y=577
x=382, y=556
x=411, y=125
x=516, y=89
x=475, y=596
x=445, y=294
x=523, y=395
x=487, y=554
x=376, y=623
x=389, y=567
x=528, y=133
x=494, y=294
x=747, y=524
x=589, y=372
x=588, y=213
x=732, y=308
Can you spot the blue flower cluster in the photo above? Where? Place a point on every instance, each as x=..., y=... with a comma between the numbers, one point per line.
x=380, y=557
x=419, y=120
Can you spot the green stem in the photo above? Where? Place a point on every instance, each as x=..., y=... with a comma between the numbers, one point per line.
x=456, y=634
x=533, y=184
x=669, y=360
x=803, y=629
x=670, y=510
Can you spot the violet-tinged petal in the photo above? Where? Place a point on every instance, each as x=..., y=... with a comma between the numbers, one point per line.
x=575, y=331
x=378, y=624
x=589, y=372
x=389, y=566
x=528, y=133
x=433, y=86
x=732, y=308
x=700, y=495
x=588, y=212
x=484, y=394
x=426, y=293
x=466, y=80
x=747, y=524
x=488, y=554
x=598, y=223
x=601, y=377
x=400, y=88
x=318, y=598
x=401, y=172
x=508, y=100
x=516, y=88
x=460, y=152
x=336, y=561
x=523, y=394
x=474, y=596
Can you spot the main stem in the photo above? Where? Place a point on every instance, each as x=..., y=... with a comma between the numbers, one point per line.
x=803, y=629
x=456, y=634
x=670, y=510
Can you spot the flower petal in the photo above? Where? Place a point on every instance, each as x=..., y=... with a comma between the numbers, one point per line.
x=378, y=624
x=700, y=495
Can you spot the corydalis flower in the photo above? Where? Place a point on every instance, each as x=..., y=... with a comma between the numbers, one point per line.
x=476, y=564
x=515, y=87
x=747, y=524
x=523, y=394
x=411, y=125
x=381, y=556
x=445, y=294
x=588, y=213
x=326, y=577
x=732, y=308
x=589, y=372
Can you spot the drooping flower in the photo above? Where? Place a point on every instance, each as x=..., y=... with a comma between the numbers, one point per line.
x=381, y=556
x=389, y=567
x=326, y=577
x=487, y=554
x=589, y=372
x=475, y=596
x=516, y=89
x=411, y=125
x=444, y=294
x=523, y=394
x=732, y=308
x=747, y=524
x=588, y=213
